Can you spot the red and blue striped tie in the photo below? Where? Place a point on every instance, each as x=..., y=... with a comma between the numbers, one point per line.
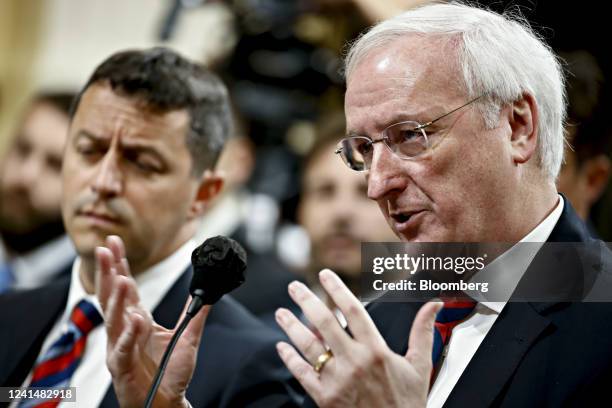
x=54, y=369
x=453, y=313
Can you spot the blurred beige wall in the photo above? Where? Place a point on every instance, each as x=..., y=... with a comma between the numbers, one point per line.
x=54, y=45
x=20, y=26
x=80, y=34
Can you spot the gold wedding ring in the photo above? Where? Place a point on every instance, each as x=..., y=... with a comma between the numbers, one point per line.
x=322, y=360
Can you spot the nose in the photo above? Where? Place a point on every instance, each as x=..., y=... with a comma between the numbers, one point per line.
x=108, y=179
x=340, y=211
x=385, y=176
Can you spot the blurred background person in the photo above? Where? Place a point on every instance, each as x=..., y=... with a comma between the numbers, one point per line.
x=34, y=248
x=251, y=219
x=586, y=171
x=335, y=211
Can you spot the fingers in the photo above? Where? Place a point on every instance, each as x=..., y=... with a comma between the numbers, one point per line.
x=124, y=354
x=193, y=332
x=124, y=294
x=104, y=275
x=117, y=248
x=320, y=317
x=300, y=369
x=309, y=345
x=110, y=261
x=359, y=322
x=115, y=244
x=420, y=342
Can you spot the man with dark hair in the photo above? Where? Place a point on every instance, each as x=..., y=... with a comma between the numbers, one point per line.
x=33, y=248
x=138, y=172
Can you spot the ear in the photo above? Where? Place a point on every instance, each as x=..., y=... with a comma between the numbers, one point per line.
x=523, y=120
x=210, y=186
x=596, y=172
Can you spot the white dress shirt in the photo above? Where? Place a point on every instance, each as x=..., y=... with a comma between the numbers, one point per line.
x=467, y=336
x=92, y=377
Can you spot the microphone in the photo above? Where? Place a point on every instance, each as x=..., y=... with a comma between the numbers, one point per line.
x=219, y=266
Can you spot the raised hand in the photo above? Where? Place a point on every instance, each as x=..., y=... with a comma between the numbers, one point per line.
x=135, y=342
x=357, y=371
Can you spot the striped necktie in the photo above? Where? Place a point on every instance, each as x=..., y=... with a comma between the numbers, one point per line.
x=453, y=313
x=55, y=367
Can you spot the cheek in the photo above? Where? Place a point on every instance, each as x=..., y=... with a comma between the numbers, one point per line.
x=155, y=207
x=71, y=175
x=454, y=183
x=49, y=193
x=10, y=172
x=314, y=218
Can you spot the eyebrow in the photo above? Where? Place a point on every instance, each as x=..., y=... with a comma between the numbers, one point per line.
x=130, y=147
x=424, y=116
x=88, y=135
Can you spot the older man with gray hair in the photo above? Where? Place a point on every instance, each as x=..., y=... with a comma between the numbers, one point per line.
x=456, y=114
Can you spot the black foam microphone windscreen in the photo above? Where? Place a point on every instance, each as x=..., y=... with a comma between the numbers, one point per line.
x=219, y=266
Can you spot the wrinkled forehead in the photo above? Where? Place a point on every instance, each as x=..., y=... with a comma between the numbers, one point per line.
x=107, y=112
x=414, y=49
x=418, y=69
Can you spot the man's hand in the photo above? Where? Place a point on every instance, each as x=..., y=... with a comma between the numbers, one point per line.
x=363, y=371
x=135, y=342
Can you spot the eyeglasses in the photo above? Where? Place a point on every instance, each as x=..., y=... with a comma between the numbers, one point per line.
x=407, y=140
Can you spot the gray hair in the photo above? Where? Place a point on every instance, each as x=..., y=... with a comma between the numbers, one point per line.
x=500, y=56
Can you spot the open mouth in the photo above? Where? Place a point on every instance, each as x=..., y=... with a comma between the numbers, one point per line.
x=405, y=219
x=404, y=216
x=401, y=218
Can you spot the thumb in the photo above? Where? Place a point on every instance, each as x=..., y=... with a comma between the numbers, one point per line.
x=193, y=332
x=420, y=343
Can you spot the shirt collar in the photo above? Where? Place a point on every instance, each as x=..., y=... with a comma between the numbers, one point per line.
x=508, y=269
x=152, y=284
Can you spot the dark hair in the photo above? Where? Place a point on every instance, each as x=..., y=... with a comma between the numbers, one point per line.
x=62, y=101
x=329, y=129
x=587, y=116
x=166, y=81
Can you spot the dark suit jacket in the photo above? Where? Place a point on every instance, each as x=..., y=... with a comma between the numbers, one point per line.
x=536, y=354
x=265, y=289
x=237, y=362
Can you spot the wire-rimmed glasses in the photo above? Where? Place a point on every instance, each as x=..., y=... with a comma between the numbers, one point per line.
x=407, y=140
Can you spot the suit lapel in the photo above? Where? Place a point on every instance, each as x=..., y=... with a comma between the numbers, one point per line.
x=165, y=314
x=171, y=307
x=514, y=332
x=27, y=318
x=498, y=356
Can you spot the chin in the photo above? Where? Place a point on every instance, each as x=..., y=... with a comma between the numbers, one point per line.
x=86, y=243
x=428, y=236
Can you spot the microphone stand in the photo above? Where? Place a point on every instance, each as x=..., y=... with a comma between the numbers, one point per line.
x=194, y=307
